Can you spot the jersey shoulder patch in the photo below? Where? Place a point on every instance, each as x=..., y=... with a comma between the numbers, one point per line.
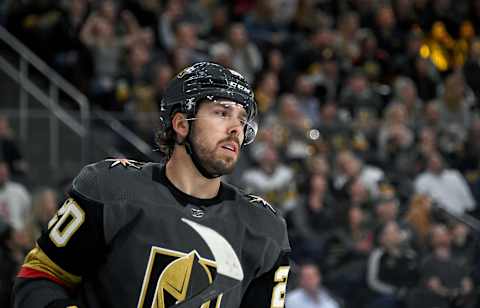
x=260, y=202
x=126, y=163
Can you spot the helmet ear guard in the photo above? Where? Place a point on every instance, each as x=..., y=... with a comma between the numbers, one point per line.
x=251, y=129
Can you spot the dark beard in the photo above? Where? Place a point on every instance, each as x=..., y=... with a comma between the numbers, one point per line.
x=207, y=157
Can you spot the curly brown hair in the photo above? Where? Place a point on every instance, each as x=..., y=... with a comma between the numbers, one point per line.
x=166, y=138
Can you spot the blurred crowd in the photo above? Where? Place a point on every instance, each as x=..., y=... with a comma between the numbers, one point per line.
x=369, y=138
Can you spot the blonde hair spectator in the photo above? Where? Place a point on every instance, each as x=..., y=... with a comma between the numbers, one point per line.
x=419, y=217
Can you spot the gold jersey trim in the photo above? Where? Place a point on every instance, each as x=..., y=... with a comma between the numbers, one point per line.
x=38, y=260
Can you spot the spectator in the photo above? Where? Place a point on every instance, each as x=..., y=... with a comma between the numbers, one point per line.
x=100, y=35
x=447, y=187
x=34, y=22
x=405, y=15
x=311, y=293
x=390, y=38
x=358, y=195
x=405, y=93
x=419, y=219
x=348, y=35
x=275, y=62
x=145, y=11
x=272, y=179
x=427, y=143
x=187, y=40
x=454, y=107
x=358, y=95
x=246, y=58
x=261, y=26
x=10, y=151
x=444, y=282
x=318, y=164
x=220, y=53
x=387, y=210
x=392, y=268
x=308, y=103
x=291, y=126
x=431, y=116
x=470, y=160
x=219, y=25
x=426, y=77
x=15, y=200
x=9, y=262
x=162, y=72
x=371, y=59
x=332, y=127
x=172, y=13
x=70, y=56
x=395, y=121
x=345, y=258
x=266, y=92
x=309, y=53
x=327, y=77
x=44, y=207
x=313, y=219
x=464, y=245
x=395, y=137
x=139, y=100
x=405, y=62
x=471, y=70
x=350, y=167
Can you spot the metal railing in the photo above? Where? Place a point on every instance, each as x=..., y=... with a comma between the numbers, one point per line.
x=126, y=134
x=50, y=99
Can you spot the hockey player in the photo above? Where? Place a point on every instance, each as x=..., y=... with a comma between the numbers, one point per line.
x=167, y=235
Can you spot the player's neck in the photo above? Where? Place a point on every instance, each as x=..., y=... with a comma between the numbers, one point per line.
x=181, y=171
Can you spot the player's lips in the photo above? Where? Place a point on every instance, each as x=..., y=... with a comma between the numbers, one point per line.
x=231, y=146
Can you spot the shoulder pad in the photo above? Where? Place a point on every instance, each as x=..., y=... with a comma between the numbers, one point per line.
x=94, y=180
x=126, y=163
x=259, y=201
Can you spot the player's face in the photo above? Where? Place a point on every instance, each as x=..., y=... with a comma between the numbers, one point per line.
x=218, y=134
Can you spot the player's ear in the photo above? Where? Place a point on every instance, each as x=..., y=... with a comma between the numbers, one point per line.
x=180, y=125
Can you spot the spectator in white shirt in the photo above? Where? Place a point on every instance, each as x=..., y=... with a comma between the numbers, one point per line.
x=349, y=167
x=310, y=293
x=15, y=201
x=447, y=187
x=15, y=206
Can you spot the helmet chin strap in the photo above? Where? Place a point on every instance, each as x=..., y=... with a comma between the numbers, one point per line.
x=195, y=159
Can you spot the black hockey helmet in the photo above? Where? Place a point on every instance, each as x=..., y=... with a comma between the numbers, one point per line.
x=206, y=80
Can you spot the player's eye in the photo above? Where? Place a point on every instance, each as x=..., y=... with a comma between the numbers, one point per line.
x=221, y=113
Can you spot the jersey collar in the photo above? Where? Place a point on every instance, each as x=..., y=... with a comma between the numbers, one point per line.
x=159, y=175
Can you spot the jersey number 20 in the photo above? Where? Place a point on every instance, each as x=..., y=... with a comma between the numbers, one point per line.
x=66, y=222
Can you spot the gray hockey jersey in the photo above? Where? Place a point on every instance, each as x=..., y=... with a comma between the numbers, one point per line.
x=127, y=237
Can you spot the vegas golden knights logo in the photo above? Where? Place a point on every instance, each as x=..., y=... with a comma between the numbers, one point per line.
x=172, y=277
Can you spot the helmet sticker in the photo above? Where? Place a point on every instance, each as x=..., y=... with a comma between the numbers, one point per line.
x=190, y=103
x=236, y=73
x=240, y=87
x=185, y=71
